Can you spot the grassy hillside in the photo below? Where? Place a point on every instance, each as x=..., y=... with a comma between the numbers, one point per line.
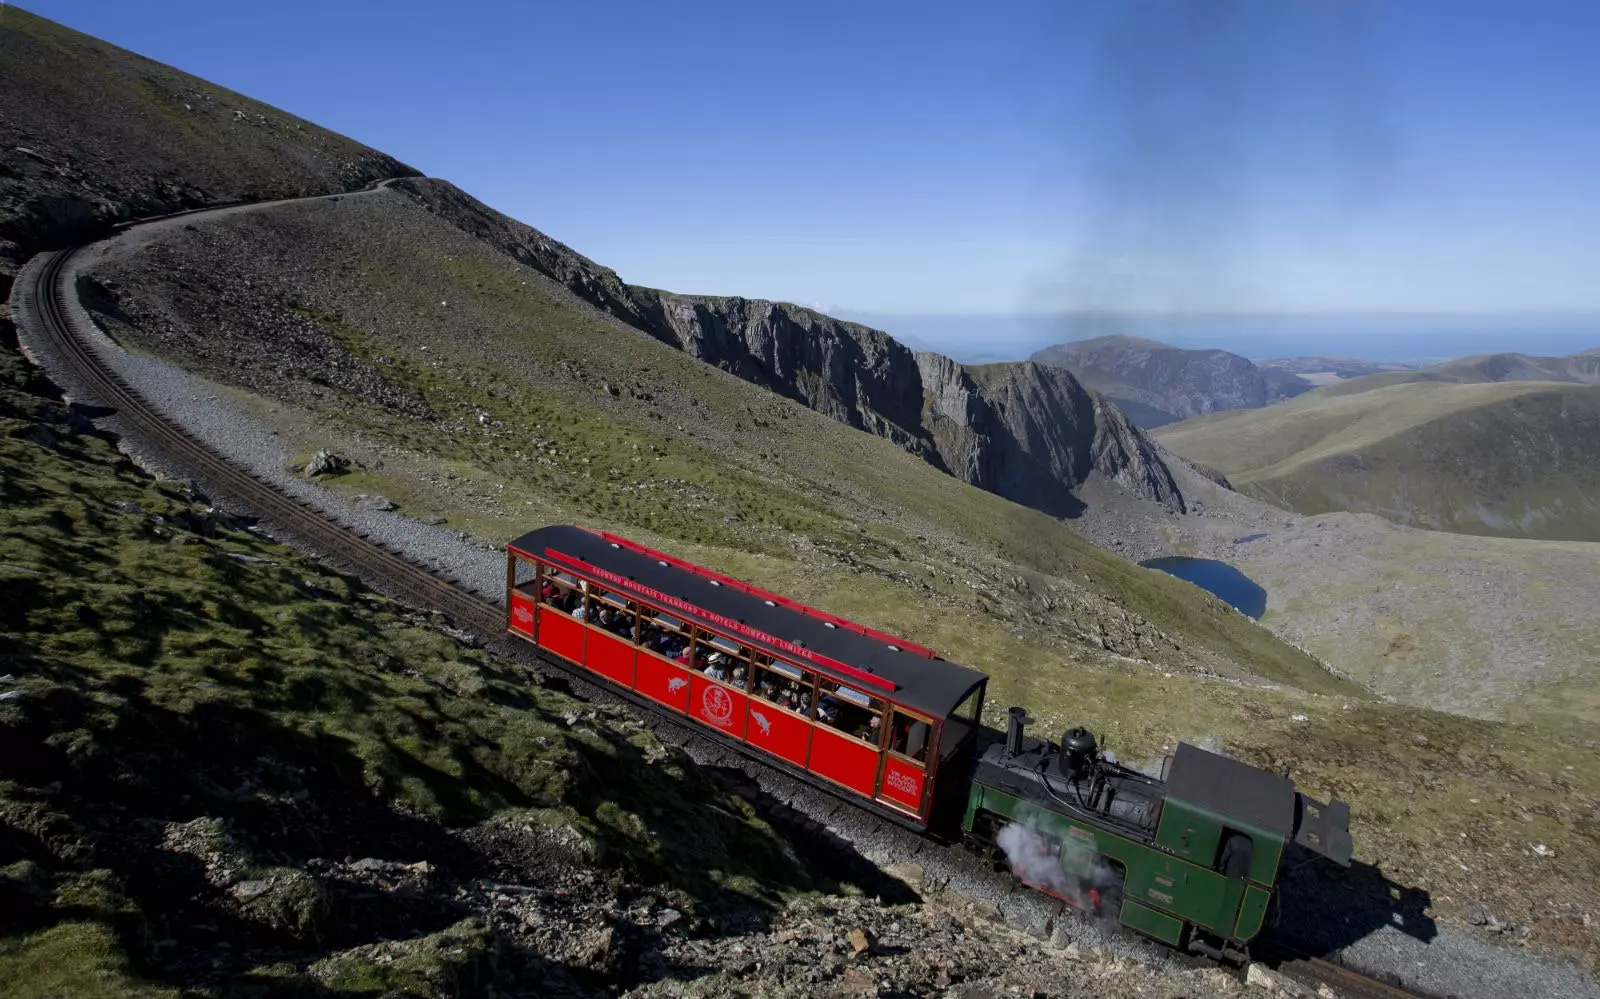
x=229, y=766
x=204, y=736
x=92, y=134
x=419, y=349
x=1514, y=459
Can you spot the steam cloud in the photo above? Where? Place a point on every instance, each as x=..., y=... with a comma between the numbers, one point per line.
x=1032, y=861
x=1199, y=109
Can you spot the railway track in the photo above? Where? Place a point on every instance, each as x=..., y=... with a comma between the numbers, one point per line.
x=407, y=578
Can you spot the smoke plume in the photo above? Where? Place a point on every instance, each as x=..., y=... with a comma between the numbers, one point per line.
x=1198, y=113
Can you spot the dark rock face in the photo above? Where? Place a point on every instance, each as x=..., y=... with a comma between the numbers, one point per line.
x=1161, y=384
x=1027, y=431
x=93, y=135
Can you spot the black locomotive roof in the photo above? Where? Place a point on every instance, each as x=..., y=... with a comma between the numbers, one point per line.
x=932, y=686
x=1232, y=789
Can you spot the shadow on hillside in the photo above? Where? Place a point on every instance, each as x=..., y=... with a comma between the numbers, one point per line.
x=103, y=780
x=1322, y=909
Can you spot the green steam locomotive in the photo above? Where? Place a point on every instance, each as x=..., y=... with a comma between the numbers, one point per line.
x=1190, y=858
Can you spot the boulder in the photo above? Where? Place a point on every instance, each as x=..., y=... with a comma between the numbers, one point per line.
x=325, y=462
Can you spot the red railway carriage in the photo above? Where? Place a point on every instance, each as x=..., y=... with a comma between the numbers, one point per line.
x=880, y=720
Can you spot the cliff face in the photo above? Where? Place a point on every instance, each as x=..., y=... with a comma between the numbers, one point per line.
x=1027, y=431
x=1160, y=384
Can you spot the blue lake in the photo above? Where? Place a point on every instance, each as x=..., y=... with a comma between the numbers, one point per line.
x=1222, y=579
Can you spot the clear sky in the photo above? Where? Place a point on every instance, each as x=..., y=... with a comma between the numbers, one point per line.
x=933, y=157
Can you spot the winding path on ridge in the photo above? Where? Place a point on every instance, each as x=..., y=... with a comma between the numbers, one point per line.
x=52, y=329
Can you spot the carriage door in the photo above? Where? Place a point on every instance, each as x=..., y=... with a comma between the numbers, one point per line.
x=905, y=764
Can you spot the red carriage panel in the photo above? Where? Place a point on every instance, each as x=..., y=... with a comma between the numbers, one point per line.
x=561, y=633
x=902, y=784
x=718, y=706
x=843, y=760
x=521, y=612
x=785, y=735
x=609, y=656
x=662, y=680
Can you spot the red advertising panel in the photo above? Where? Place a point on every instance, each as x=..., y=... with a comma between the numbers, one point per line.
x=662, y=680
x=902, y=784
x=718, y=706
x=843, y=759
x=521, y=612
x=609, y=656
x=561, y=633
x=779, y=732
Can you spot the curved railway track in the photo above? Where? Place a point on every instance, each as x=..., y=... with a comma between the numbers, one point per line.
x=411, y=579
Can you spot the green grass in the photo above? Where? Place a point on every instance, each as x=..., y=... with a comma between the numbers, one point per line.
x=171, y=671
x=1512, y=459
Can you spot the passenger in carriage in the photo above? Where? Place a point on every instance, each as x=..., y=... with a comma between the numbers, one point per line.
x=716, y=666
x=603, y=619
x=738, y=677
x=869, y=731
x=547, y=592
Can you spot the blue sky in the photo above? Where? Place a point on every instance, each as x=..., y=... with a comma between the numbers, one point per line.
x=959, y=158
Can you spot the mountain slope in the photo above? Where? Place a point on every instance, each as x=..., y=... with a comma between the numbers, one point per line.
x=857, y=375
x=422, y=350
x=92, y=134
x=1158, y=384
x=1515, y=459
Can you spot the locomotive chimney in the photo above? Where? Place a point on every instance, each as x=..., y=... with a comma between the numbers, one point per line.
x=1016, y=720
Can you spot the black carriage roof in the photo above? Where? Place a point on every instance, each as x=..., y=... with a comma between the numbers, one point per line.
x=1232, y=789
x=930, y=685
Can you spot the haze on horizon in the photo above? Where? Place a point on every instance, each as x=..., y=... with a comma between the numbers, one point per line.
x=1141, y=157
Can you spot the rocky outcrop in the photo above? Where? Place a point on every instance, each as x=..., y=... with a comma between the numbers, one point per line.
x=1159, y=384
x=1031, y=432
x=1028, y=432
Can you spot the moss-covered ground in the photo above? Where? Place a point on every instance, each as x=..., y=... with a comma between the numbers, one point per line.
x=163, y=669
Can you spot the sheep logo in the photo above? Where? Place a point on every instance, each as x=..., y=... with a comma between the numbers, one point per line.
x=717, y=705
x=761, y=722
x=676, y=684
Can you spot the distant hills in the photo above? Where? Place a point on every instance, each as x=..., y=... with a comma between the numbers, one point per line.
x=1326, y=370
x=1156, y=384
x=1504, y=444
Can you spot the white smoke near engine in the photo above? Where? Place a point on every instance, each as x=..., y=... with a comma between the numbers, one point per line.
x=1071, y=871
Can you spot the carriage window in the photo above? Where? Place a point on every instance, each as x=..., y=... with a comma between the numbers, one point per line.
x=909, y=737
x=559, y=590
x=665, y=635
x=850, y=711
x=963, y=721
x=523, y=574
x=724, y=659
x=611, y=612
x=785, y=685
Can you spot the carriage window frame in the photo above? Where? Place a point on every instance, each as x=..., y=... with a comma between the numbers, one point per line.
x=875, y=706
x=807, y=680
x=916, y=718
x=711, y=642
x=563, y=588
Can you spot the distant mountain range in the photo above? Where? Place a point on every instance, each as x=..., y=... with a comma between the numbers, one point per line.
x=1503, y=444
x=1156, y=384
